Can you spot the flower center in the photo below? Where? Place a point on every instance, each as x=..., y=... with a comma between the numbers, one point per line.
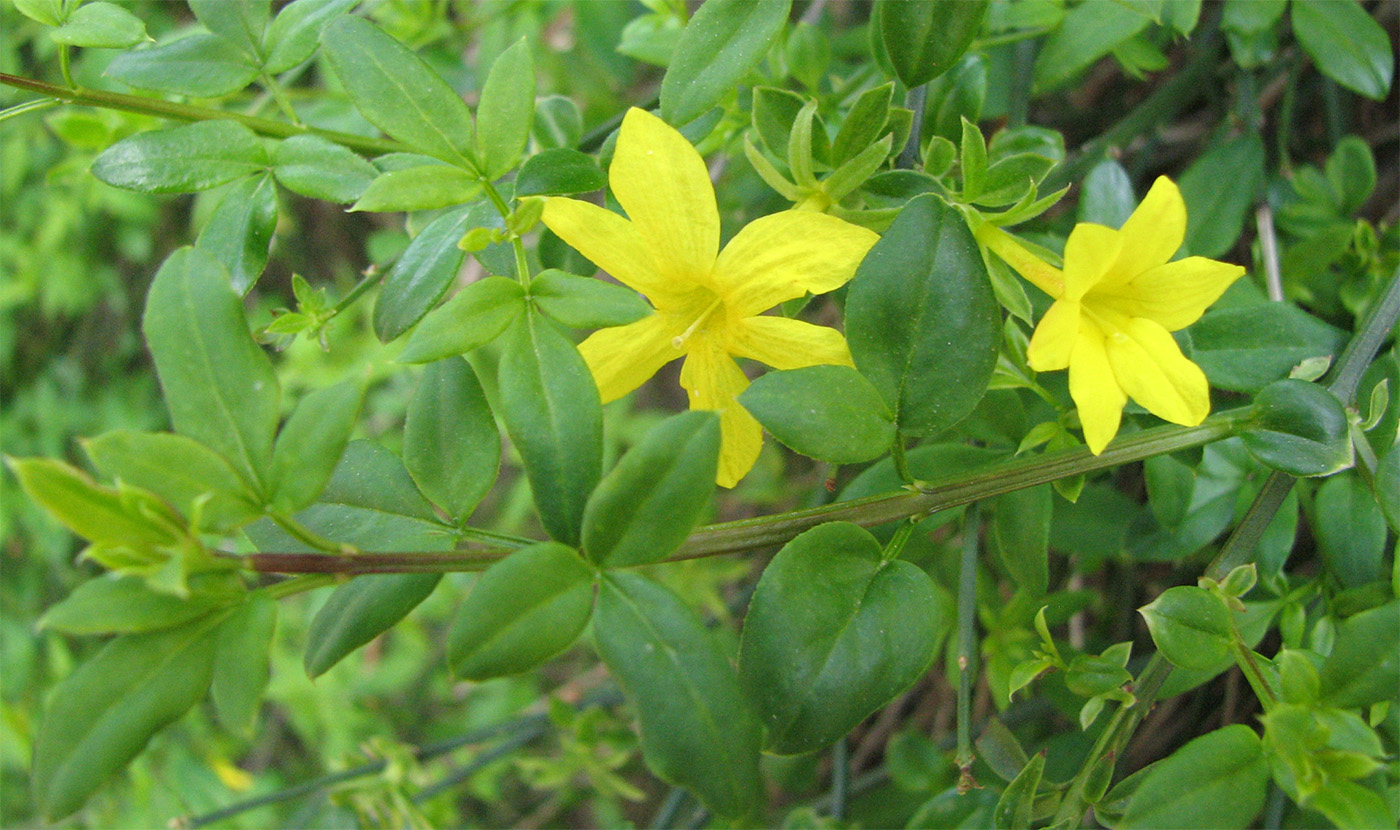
x=679, y=340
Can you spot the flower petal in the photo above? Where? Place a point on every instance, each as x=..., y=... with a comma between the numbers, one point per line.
x=713, y=381
x=1153, y=234
x=787, y=344
x=663, y=184
x=625, y=357
x=1036, y=271
x=1089, y=252
x=1095, y=390
x=1174, y=295
x=1151, y=368
x=786, y=255
x=612, y=243
x=1054, y=339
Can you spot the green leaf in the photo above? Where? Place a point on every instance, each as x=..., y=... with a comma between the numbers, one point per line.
x=506, y=110
x=645, y=506
x=1364, y=666
x=1346, y=43
x=1245, y=348
x=1190, y=626
x=924, y=40
x=182, y=159
x=1106, y=197
x=774, y=111
x=863, y=124
x=373, y=478
x=1215, y=214
x=972, y=158
x=808, y=54
x=427, y=187
x=292, y=37
x=359, y=611
x=551, y=409
x=1350, y=531
x=99, y=717
x=47, y=12
x=397, y=92
x=201, y=66
x=1014, y=808
x=559, y=171
x=313, y=166
x=522, y=611
x=833, y=633
x=698, y=731
x=239, y=232
x=1022, y=532
x=922, y=299
x=1351, y=806
x=241, y=663
x=219, y=385
x=184, y=472
x=1249, y=16
x=450, y=443
x=1216, y=780
x=585, y=302
x=1387, y=486
x=721, y=43
x=474, y=317
x=830, y=413
x=100, y=26
x=558, y=124
x=1299, y=428
x=1088, y=32
x=311, y=443
x=114, y=604
x=423, y=272
x=240, y=22
x=1351, y=171
x=958, y=95
x=96, y=513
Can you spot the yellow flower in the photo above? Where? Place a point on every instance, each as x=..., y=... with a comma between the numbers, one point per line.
x=1116, y=302
x=707, y=301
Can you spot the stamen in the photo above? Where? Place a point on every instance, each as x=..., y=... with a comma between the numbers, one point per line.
x=678, y=342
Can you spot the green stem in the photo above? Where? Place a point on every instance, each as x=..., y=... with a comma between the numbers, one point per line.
x=307, y=536
x=522, y=263
x=909, y=156
x=357, y=564
x=1370, y=336
x=299, y=585
x=36, y=105
x=967, y=644
x=188, y=112
x=900, y=459
x=283, y=103
x=1249, y=667
x=368, y=281
x=65, y=65
x=840, y=778
x=900, y=538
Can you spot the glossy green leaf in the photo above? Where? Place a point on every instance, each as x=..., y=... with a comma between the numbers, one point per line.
x=924, y=40
x=201, y=66
x=1346, y=43
x=522, y=611
x=1088, y=32
x=1299, y=428
x=421, y=275
x=450, y=443
x=558, y=124
x=560, y=171
x=1216, y=780
x=922, y=299
x=1364, y=666
x=506, y=110
x=831, y=413
x=585, y=302
x=427, y=187
x=114, y=604
x=721, y=43
x=1387, y=486
x=99, y=717
x=1190, y=626
x=373, y=478
x=239, y=232
x=100, y=25
x=1014, y=808
x=184, y=472
x=474, y=317
x=240, y=22
x=774, y=111
x=243, y=643
x=1214, y=214
x=182, y=159
x=1350, y=530
x=397, y=92
x=359, y=611
x=311, y=443
x=698, y=730
x=292, y=37
x=833, y=633
x=645, y=506
x=1106, y=197
x=313, y=166
x=1022, y=531
x=1245, y=348
x=1250, y=16
x=218, y=384
x=551, y=409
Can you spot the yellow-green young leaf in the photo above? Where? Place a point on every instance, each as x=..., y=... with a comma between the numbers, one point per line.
x=698, y=730
x=291, y=38
x=833, y=633
x=863, y=124
x=182, y=159
x=313, y=166
x=506, y=110
x=474, y=317
x=99, y=514
x=428, y=187
x=522, y=611
x=243, y=643
x=584, y=302
x=923, y=40
x=1351, y=806
x=421, y=275
x=1364, y=666
x=239, y=232
x=450, y=443
x=311, y=443
x=1299, y=428
x=100, y=26
x=99, y=717
x=1217, y=780
x=1014, y=808
x=218, y=384
x=47, y=12
x=825, y=412
x=201, y=66
x=1346, y=43
x=551, y=409
x=646, y=506
x=720, y=44
x=1190, y=626
x=115, y=604
x=180, y=470
x=397, y=92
